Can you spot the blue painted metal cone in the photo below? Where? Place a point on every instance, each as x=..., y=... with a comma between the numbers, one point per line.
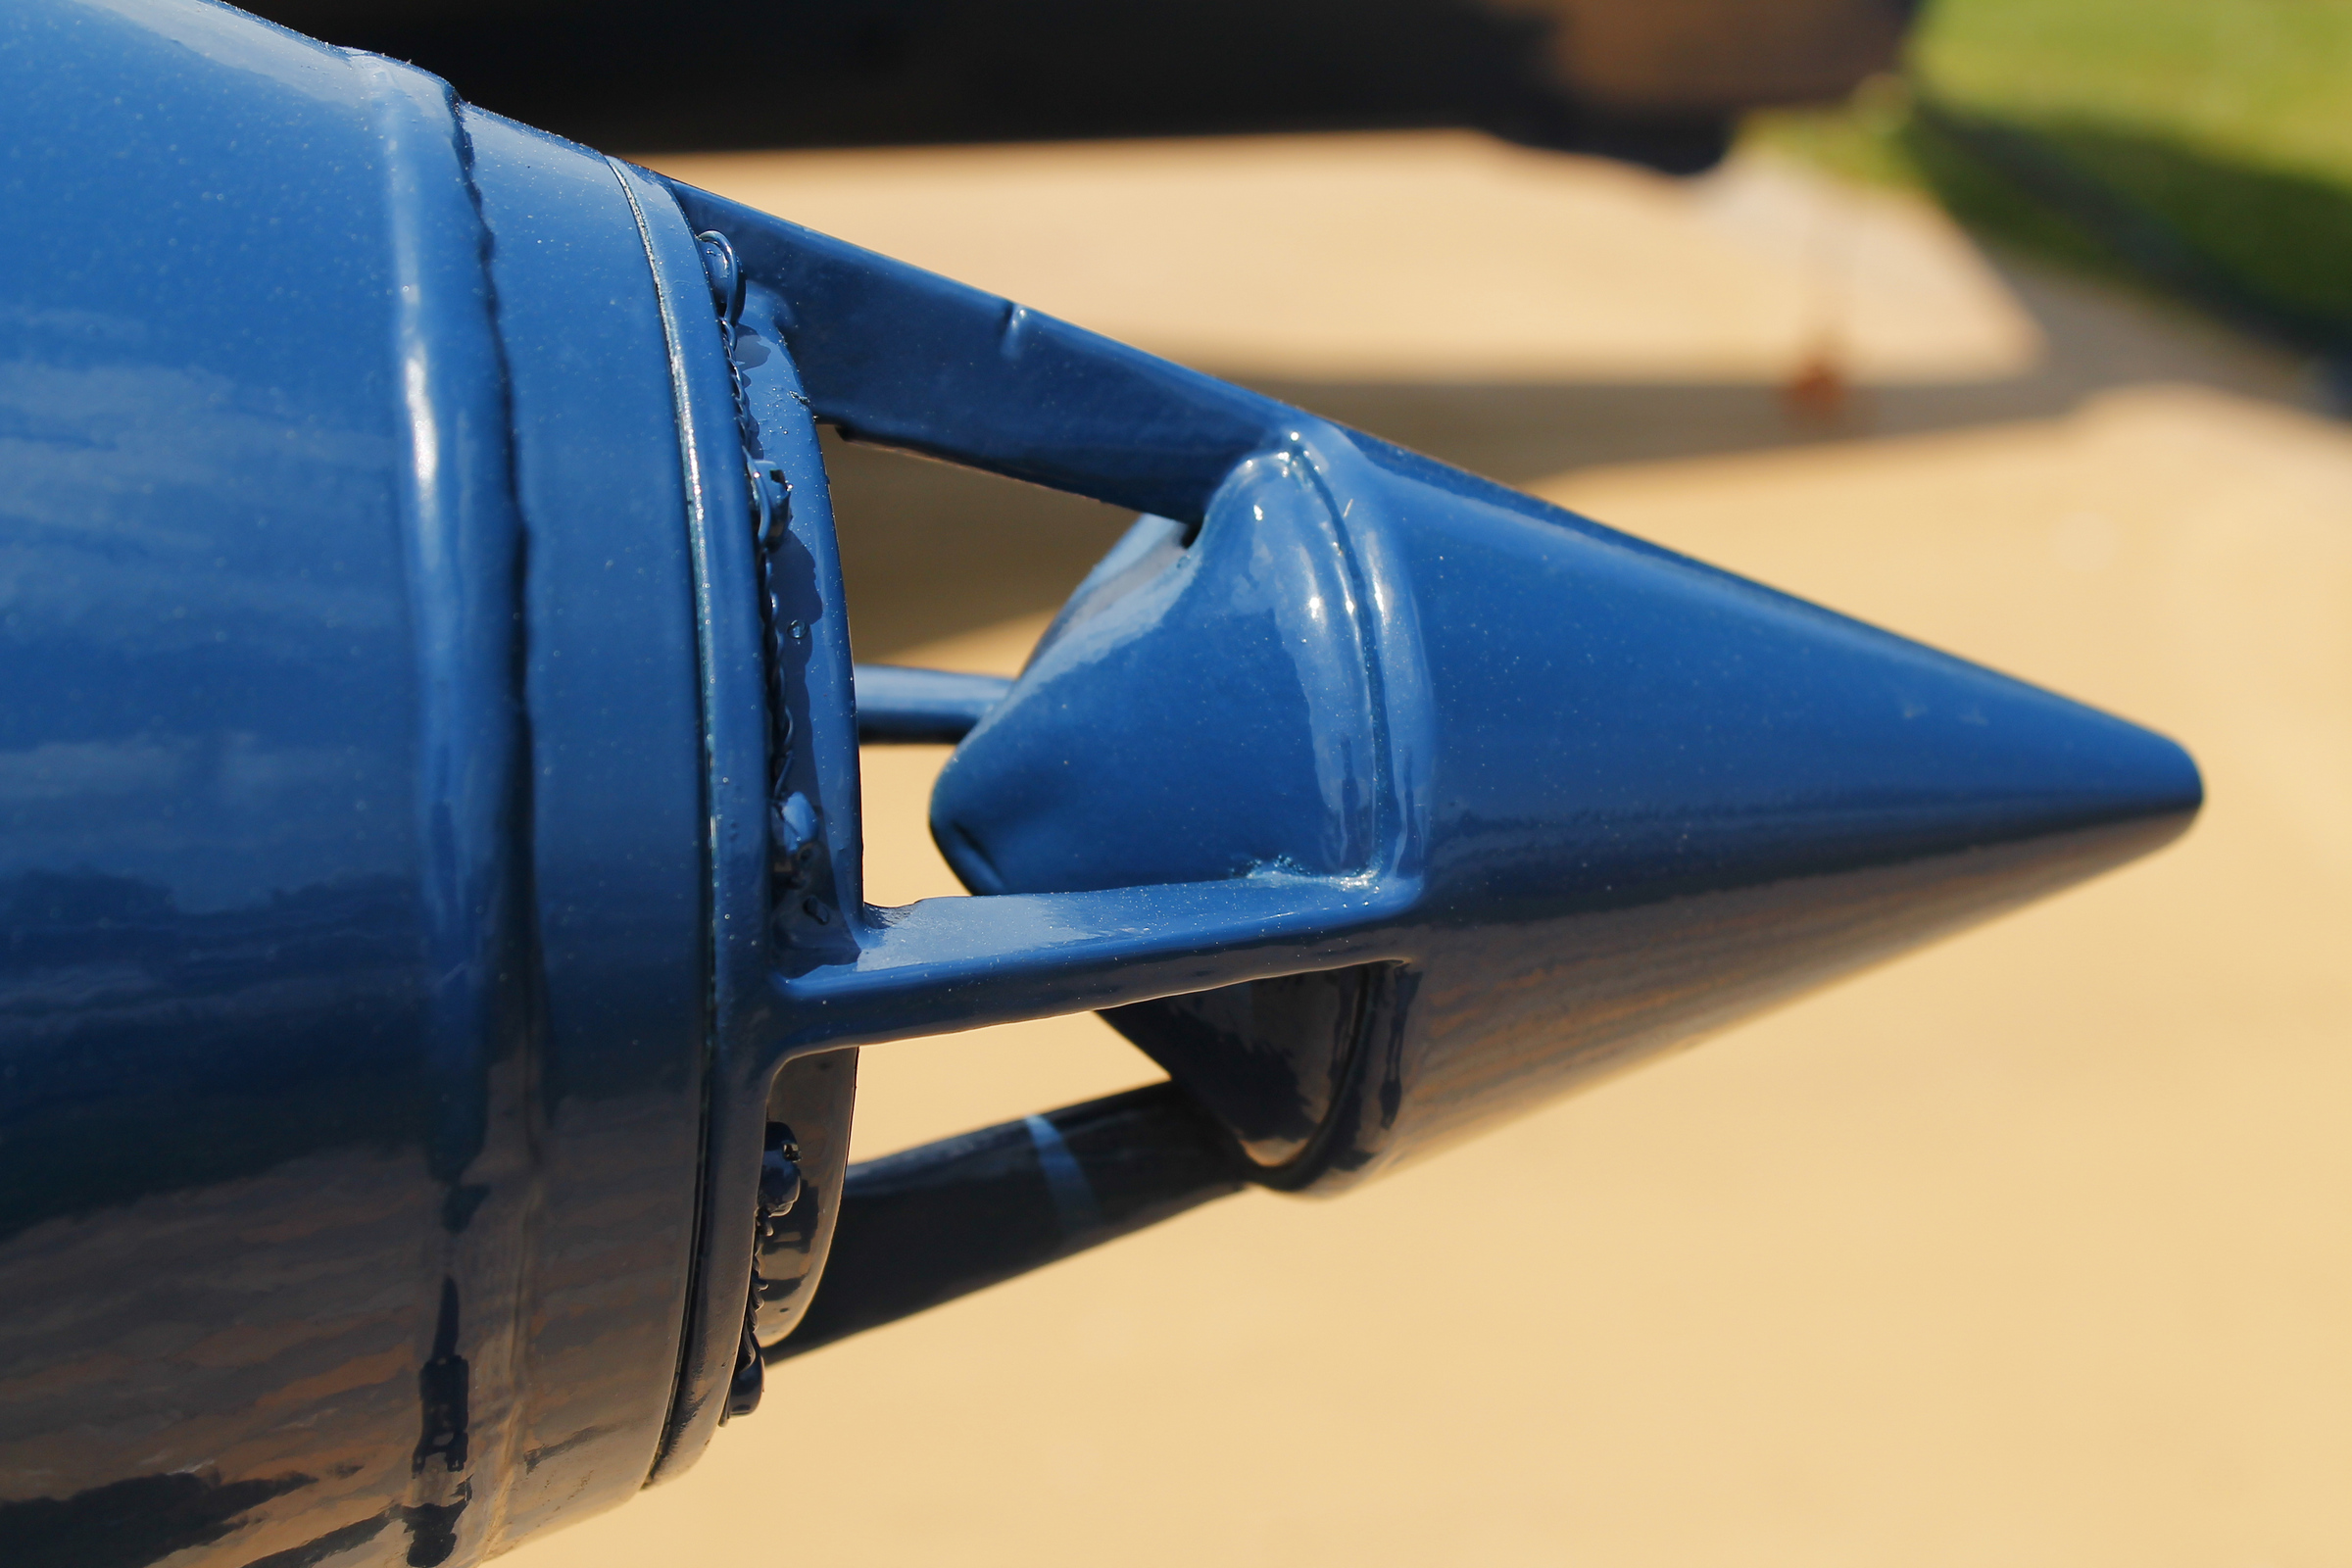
x=1612, y=797
x=1376, y=800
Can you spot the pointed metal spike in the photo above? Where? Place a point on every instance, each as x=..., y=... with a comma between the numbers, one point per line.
x=1635, y=797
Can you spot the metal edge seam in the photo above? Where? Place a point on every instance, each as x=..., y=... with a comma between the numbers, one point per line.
x=463, y=528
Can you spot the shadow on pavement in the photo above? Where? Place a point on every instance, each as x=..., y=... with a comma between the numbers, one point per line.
x=2263, y=249
x=932, y=550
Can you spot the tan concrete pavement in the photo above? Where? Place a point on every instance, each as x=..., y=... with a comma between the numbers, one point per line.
x=2030, y=1249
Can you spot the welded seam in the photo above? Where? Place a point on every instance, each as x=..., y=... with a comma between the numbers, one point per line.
x=464, y=535
x=1365, y=611
x=697, y=528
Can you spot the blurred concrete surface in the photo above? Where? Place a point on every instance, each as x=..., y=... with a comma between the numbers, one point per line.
x=2030, y=1249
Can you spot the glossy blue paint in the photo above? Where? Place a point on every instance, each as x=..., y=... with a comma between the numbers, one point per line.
x=430, y=840
x=904, y=707
x=1534, y=798
x=354, y=1001
x=617, y=814
x=1616, y=797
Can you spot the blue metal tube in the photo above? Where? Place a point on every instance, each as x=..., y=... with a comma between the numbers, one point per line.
x=901, y=705
x=929, y=1224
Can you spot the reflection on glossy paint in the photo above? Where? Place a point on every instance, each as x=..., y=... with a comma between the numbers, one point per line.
x=1624, y=743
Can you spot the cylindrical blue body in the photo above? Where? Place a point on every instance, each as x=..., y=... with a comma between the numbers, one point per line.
x=357, y=987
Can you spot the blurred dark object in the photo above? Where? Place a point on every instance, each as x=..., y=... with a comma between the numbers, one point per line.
x=1820, y=392
x=1652, y=81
